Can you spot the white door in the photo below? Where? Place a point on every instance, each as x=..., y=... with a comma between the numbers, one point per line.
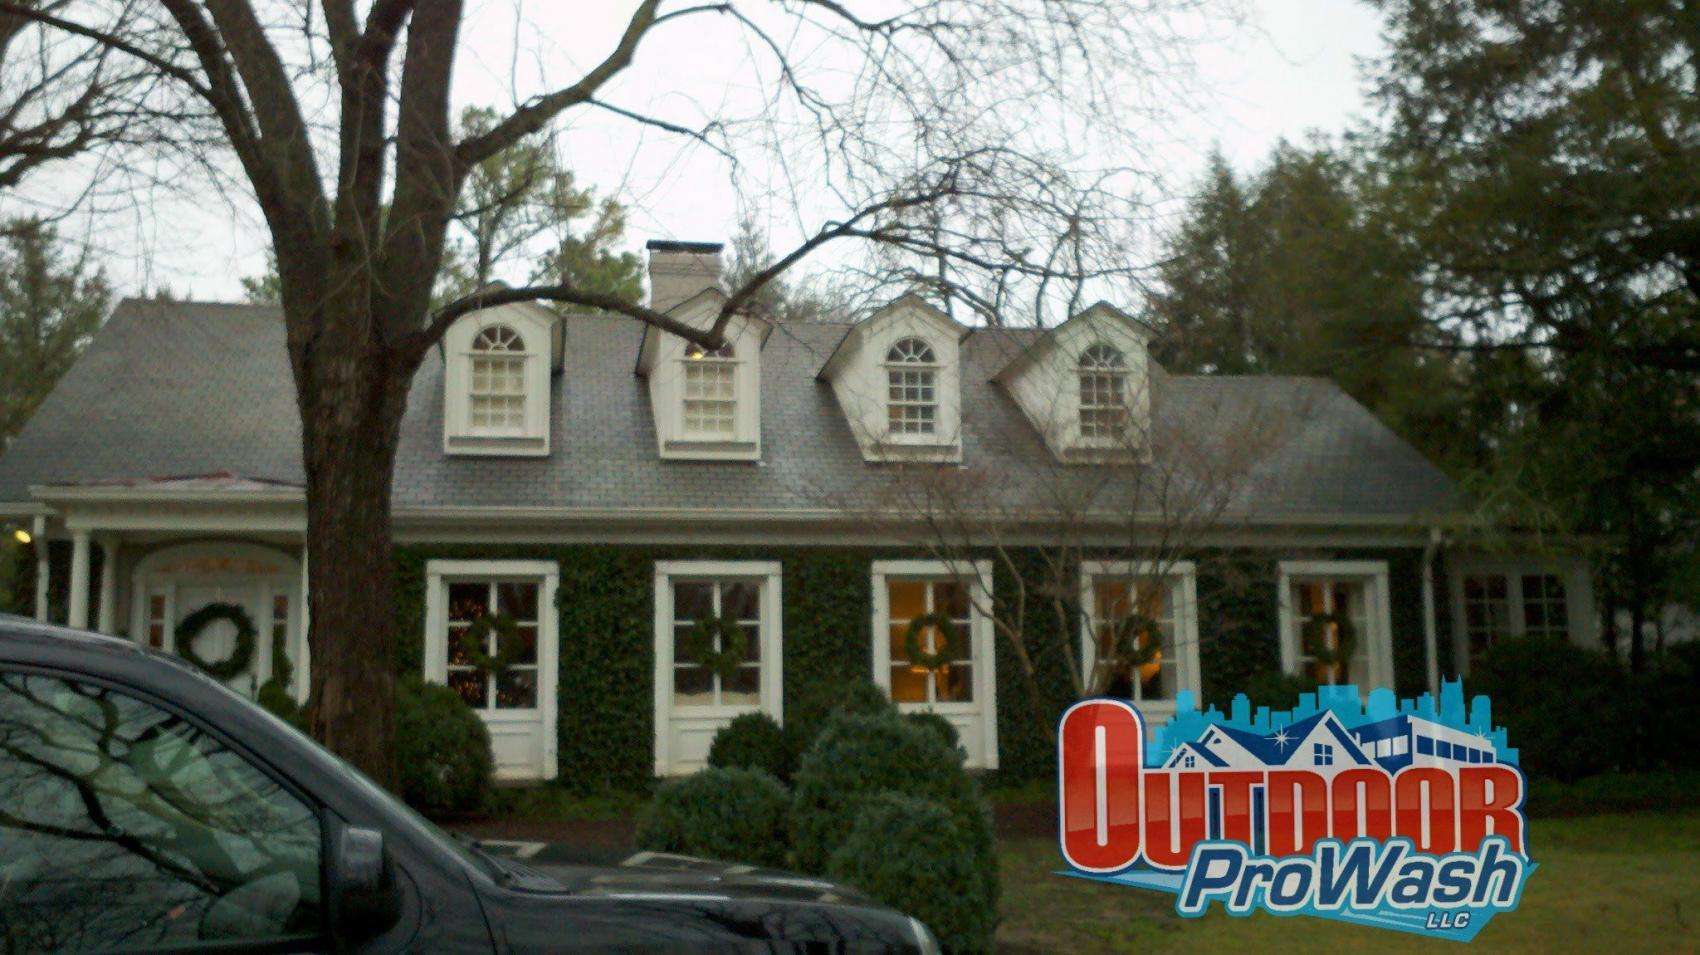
x=693, y=700
x=517, y=701
x=172, y=584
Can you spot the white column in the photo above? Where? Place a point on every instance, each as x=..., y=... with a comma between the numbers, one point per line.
x=42, y=569
x=303, y=661
x=79, y=612
x=108, y=585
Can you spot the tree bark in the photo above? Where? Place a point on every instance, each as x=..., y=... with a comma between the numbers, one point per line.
x=352, y=404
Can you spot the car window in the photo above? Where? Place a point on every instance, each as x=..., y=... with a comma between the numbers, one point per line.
x=125, y=826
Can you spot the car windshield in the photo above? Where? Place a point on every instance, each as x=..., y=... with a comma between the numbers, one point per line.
x=360, y=781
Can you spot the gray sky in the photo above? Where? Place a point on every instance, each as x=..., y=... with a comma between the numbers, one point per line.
x=1291, y=68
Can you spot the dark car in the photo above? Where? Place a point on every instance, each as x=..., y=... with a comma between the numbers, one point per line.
x=146, y=806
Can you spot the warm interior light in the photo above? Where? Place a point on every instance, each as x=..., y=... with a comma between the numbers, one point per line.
x=22, y=536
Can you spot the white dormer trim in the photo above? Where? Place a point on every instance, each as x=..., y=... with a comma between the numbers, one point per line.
x=689, y=389
x=864, y=377
x=1045, y=380
x=527, y=336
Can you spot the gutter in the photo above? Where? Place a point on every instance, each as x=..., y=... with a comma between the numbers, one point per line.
x=1431, y=648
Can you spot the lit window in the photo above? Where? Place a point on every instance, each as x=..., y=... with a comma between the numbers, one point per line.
x=1153, y=673
x=710, y=397
x=516, y=601
x=1103, y=393
x=1333, y=601
x=497, y=388
x=1323, y=754
x=952, y=680
x=912, y=387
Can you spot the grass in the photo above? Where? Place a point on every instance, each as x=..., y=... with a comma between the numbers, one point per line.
x=1623, y=883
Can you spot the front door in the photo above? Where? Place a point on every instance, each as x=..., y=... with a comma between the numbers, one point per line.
x=717, y=654
x=172, y=585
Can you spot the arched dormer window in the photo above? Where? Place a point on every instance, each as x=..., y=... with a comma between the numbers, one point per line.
x=710, y=398
x=912, y=387
x=1103, y=392
x=496, y=384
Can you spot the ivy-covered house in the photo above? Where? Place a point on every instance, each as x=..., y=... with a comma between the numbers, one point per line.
x=611, y=543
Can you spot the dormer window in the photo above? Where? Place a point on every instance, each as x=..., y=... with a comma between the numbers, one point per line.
x=497, y=395
x=496, y=381
x=1103, y=393
x=710, y=392
x=912, y=387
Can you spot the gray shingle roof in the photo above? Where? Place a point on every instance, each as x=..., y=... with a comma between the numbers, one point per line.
x=175, y=389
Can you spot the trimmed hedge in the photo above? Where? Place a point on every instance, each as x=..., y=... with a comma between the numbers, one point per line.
x=914, y=856
x=735, y=815
x=442, y=749
x=752, y=741
x=856, y=758
x=934, y=723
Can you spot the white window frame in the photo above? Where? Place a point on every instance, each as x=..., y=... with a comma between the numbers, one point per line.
x=459, y=435
x=1181, y=577
x=547, y=574
x=725, y=358
x=978, y=576
x=1377, y=611
x=768, y=574
x=1514, y=570
x=1122, y=374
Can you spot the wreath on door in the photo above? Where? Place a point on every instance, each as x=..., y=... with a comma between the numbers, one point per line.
x=949, y=644
x=1339, y=656
x=698, y=646
x=1139, y=646
x=510, y=643
x=189, y=630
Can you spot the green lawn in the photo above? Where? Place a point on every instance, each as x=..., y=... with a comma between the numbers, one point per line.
x=1618, y=883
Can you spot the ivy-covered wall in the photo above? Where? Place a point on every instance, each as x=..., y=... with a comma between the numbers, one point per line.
x=607, y=640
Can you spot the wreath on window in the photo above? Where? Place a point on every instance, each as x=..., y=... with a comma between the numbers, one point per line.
x=241, y=655
x=509, y=643
x=698, y=646
x=1139, y=646
x=949, y=645
x=1339, y=656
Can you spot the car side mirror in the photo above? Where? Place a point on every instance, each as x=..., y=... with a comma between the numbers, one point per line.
x=364, y=897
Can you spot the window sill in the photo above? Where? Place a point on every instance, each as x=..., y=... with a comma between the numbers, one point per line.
x=686, y=449
x=516, y=446
x=897, y=449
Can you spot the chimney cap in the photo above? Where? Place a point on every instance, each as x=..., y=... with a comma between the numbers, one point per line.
x=675, y=245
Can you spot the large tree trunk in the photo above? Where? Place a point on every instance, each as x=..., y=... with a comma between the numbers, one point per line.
x=351, y=413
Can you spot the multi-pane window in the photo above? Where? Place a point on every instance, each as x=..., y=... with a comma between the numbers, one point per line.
x=156, y=620
x=952, y=681
x=912, y=387
x=710, y=391
x=1322, y=754
x=1118, y=605
x=510, y=639
x=127, y=827
x=1498, y=605
x=1103, y=392
x=1487, y=611
x=1334, y=601
x=1544, y=611
x=497, y=389
x=713, y=603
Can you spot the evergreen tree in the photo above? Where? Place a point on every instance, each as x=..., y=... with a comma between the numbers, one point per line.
x=51, y=303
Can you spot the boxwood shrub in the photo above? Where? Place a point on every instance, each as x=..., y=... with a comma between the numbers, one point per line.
x=735, y=815
x=856, y=758
x=935, y=723
x=824, y=701
x=914, y=856
x=752, y=741
x=442, y=749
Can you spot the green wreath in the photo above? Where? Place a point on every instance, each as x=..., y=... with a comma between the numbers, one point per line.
x=509, y=643
x=697, y=646
x=1138, y=643
x=234, y=665
x=912, y=641
x=1345, y=641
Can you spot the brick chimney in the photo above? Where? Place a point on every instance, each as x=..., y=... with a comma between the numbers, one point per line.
x=679, y=270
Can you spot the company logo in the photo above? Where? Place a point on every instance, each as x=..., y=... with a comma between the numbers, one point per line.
x=1398, y=814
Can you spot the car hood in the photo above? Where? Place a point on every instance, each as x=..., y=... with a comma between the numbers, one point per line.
x=553, y=867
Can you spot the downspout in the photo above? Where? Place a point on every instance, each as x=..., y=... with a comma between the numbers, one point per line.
x=42, y=568
x=1431, y=647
